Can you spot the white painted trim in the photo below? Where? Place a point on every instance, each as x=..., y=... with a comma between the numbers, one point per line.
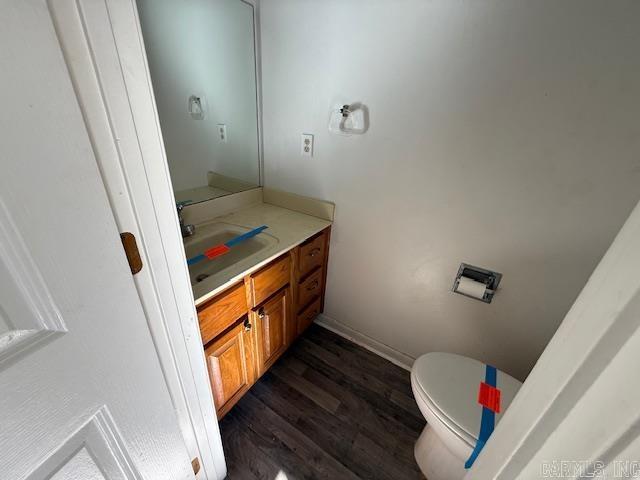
x=183, y=332
x=119, y=110
x=385, y=351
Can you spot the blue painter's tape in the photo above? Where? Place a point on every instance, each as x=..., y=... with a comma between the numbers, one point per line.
x=491, y=376
x=245, y=236
x=195, y=259
x=487, y=421
x=230, y=243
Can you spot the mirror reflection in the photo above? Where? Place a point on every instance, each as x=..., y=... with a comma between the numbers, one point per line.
x=201, y=56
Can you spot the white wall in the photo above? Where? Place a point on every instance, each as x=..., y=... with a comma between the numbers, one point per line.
x=204, y=47
x=503, y=134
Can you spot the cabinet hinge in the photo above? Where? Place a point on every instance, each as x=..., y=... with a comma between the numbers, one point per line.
x=195, y=463
x=131, y=251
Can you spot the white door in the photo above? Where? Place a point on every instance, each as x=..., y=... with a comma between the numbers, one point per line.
x=82, y=393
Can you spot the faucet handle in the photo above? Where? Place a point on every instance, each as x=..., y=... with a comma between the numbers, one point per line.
x=180, y=205
x=186, y=230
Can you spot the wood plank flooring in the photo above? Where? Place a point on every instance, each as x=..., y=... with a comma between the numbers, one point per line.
x=328, y=409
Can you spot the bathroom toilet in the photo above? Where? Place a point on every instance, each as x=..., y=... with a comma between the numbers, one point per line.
x=445, y=386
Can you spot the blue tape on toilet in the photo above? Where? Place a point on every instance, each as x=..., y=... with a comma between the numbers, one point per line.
x=488, y=420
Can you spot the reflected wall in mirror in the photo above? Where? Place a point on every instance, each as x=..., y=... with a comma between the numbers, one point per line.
x=201, y=56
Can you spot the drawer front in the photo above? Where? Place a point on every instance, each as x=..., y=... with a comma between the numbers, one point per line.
x=220, y=313
x=270, y=279
x=309, y=288
x=307, y=317
x=312, y=254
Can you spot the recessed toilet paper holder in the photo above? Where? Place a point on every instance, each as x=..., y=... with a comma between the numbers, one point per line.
x=490, y=279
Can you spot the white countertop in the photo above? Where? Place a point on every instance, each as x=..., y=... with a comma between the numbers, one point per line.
x=289, y=227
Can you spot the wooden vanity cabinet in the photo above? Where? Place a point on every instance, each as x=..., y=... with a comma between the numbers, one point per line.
x=310, y=288
x=231, y=365
x=312, y=253
x=246, y=328
x=307, y=316
x=310, y=278
x=274, y=325
x=268, y=280
x=223, y=311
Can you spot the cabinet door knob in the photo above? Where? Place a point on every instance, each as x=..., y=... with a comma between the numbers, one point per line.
x=314, y=252
x=247, y=325
x=313, y=285
x=261, y=313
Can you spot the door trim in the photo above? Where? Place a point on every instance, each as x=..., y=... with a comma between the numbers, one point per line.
x=105, y=54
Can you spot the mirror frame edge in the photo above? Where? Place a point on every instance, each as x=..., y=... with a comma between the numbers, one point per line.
x=257, y=56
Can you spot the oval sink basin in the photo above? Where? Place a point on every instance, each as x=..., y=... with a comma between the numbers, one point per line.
x=213, y=234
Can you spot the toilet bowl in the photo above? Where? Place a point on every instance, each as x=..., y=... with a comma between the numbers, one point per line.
x=445, y=386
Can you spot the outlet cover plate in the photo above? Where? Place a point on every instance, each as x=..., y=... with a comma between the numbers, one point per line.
x=307, y=145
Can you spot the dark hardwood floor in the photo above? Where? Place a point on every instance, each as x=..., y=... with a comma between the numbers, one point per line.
x=328, y=409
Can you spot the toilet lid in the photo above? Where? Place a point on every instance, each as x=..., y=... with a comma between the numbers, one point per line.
x=449, y=383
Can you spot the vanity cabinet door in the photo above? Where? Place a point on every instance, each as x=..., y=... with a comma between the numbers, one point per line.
x=274, y=328
x=230, y=363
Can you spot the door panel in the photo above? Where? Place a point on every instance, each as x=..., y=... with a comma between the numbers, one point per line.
x=27, y=312
x=230, y=361
x=94, y=452
x=90, y=359
x=273, y=322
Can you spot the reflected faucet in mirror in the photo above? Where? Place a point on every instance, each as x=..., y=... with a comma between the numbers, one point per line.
x=186, y=230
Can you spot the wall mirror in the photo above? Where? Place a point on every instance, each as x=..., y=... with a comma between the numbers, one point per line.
x=202, y=61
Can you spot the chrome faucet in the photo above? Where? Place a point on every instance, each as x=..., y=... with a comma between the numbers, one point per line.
x=186, y=230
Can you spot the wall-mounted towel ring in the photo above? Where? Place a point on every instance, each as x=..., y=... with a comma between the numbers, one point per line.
x=349, y=119
x=197, y=106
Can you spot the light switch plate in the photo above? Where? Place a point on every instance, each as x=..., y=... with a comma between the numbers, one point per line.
x=307, y=145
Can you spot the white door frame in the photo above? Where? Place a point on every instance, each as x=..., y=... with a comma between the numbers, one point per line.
x=109, y=68
x=580, y=402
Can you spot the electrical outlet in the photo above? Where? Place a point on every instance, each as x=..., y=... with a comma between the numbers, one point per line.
x=307, y=145
x=222, y=132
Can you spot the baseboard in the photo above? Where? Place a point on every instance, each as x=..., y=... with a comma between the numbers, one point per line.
x=385, y=351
